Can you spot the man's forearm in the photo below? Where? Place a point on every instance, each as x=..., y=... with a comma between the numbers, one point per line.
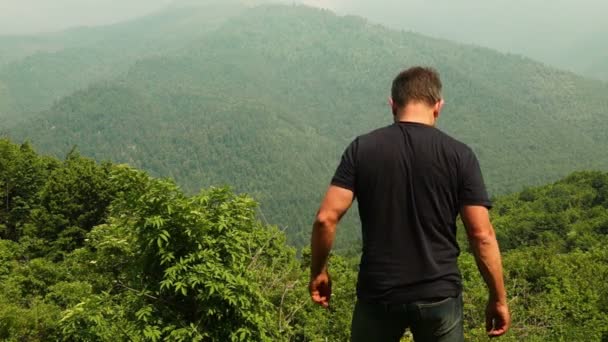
x=334, y=205
x=322, y=239
x=487, y=255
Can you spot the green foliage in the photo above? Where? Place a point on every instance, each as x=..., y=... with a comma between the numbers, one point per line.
x=74, y=199
x=311, y=323
x=571, y=212
x=32, y=295
x=47, y=205
x=554, y=296
x=154, y=264
x=22, y=174
x=178, y=268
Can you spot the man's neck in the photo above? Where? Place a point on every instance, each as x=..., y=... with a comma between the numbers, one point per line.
x=417, y=113
x=425, y=120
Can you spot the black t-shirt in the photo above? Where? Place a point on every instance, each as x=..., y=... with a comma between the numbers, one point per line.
x=410, y=181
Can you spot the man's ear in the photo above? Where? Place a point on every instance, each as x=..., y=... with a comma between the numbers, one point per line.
x=438, y=107
x=391, y=103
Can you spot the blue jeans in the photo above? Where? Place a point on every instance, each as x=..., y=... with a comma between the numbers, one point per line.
x=429, y=321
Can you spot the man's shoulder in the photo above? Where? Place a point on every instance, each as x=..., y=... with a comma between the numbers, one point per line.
x=376, y=133
x=453, y=143
x=389, y=132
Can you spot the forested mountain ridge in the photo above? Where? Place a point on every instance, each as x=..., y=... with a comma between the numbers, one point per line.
x=267, y=102
x=5, y=103
x=103, y=252
x=563, y=34
x=39, y=70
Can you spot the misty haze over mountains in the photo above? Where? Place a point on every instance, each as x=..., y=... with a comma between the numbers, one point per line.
x=568, y=34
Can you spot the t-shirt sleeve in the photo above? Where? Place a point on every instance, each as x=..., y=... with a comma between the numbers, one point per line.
x=472, y=187
x=345, y=175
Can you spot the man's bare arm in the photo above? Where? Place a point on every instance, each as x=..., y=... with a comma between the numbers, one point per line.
x=336, y=203
x=484, y=245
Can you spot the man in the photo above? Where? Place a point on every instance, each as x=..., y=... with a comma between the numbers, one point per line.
x=411, y=182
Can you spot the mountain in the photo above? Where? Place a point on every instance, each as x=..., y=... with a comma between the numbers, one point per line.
x=4, y=98
x=39, y=70
x=565, y=34
x=267, y=101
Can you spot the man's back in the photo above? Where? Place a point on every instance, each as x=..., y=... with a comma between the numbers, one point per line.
x=409, y=180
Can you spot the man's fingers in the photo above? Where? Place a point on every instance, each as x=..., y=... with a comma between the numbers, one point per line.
x=320, y=290
x=497, y=332
x=499, y=328
x=321, y=300
x=498, y=319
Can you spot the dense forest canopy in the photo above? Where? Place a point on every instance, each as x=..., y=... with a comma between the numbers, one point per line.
x=267, y=99
x=100, y=252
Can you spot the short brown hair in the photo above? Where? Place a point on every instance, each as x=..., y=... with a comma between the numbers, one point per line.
x=417, y=84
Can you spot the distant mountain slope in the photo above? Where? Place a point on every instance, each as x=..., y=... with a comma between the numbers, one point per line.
x=14, y=48
x=158, y=29
x=4, y=102
x=570, y=35
x=268, y=101
x=39, y=70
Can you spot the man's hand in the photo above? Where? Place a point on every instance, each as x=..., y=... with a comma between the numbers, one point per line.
x=498, y=318
x=320, y=289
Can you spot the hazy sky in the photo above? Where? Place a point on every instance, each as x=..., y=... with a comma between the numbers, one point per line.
x=30, y=16
x=571, y=34
x=484, y=19
x=478, y=19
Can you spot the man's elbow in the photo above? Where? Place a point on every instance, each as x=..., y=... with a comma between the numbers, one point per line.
x=482, y=236
x=326, y=220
